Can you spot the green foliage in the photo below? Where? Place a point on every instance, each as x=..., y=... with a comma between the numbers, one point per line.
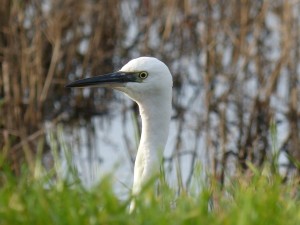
x=260, y=199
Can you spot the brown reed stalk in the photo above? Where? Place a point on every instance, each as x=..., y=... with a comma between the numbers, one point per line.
x=234, y=57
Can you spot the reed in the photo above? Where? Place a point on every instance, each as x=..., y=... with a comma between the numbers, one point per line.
x=237, y=59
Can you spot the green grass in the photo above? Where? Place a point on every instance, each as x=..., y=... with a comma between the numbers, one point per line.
x=261, y=199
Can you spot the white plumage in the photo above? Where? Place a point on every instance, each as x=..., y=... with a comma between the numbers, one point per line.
x=148, y=82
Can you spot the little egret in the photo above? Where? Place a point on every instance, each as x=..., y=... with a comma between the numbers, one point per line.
x=148, y=82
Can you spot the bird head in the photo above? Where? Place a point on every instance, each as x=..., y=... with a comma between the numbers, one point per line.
x=140, y=78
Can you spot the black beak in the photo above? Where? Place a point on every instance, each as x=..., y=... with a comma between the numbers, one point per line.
x=116, y=79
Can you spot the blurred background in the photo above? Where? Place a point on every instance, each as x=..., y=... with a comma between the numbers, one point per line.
x=236, y=71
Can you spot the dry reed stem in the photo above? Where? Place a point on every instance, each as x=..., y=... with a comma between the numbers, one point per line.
x=249, y=49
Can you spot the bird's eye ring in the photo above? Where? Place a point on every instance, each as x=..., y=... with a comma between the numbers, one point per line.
x=143, y=75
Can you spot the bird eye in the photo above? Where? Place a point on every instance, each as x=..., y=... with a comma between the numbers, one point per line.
x=143, y=75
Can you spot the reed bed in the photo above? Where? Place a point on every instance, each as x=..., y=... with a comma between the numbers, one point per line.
x=235, y=65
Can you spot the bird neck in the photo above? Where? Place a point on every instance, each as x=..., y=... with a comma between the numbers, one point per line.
x=156, y=115
x=155, y=127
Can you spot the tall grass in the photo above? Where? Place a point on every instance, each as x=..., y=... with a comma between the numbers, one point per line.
x=257, y=199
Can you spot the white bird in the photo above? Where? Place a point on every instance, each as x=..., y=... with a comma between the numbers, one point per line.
x=148, y=82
